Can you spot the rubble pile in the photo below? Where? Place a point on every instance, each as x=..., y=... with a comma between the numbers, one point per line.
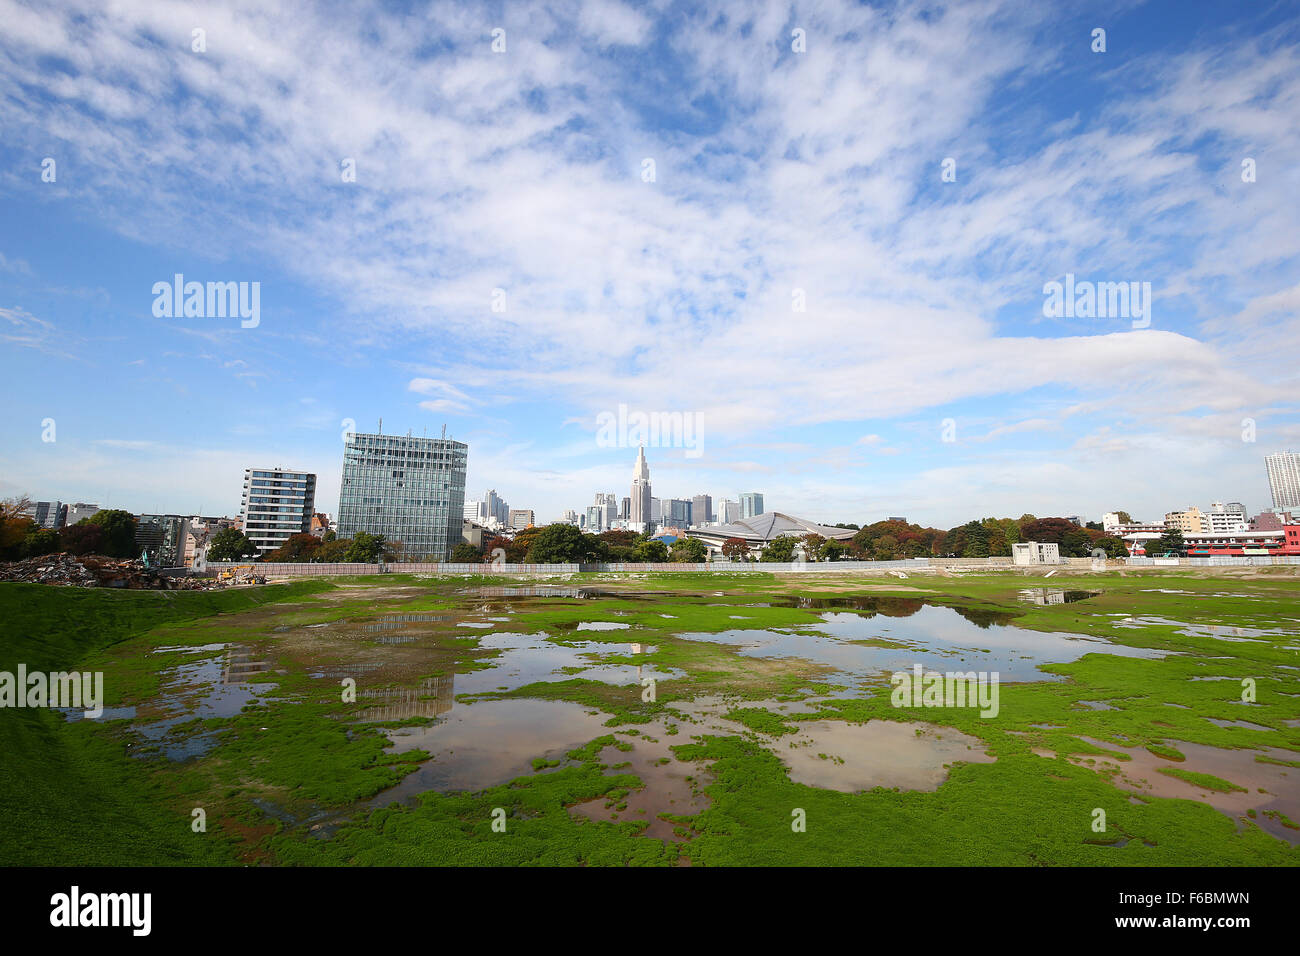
x=95, y=571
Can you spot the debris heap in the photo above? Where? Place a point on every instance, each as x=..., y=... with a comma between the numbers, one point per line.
x=95, y=571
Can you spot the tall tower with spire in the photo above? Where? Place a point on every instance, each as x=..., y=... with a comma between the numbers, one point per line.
x=640, y=512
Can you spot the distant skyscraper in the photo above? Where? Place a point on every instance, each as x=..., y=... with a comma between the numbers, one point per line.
x=410, y=490
x=497, y=507
x=520, y=518
x=641, y=498
x=276, y=503
x=625, y=508
x=728, y=511
x=751, y=505
x=676, y=512
x=701, y=509
x=1284, y=479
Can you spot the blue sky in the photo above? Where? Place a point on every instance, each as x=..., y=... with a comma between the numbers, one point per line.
x=775, y=171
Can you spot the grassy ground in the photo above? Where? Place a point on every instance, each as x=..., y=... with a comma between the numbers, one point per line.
x=70, y=793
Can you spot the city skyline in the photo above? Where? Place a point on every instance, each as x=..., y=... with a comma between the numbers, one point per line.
x=845, y=279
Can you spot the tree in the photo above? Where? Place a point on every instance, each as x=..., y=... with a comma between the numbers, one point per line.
x=41, y=541
x=833, y=550
x=331, y=551
x=119, y=532
x=228, y=544
x=15, y=526
x=812, y=545
x=82, y=538
x=1112, y=546
x=780, y=549
x=1171, y=542
x=735, y=549
x=366, y=548
x=619, y=538
x=557, y=544
x=846, y=526
x=296, y=547
x=650, y=552
x=465, y=553
x=1051, y=530
x=1124, y=517
x=689, y=551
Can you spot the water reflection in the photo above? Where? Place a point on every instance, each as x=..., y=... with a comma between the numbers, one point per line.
x=431, y=698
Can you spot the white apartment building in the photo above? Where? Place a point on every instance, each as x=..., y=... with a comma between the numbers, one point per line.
x=1221, y=518
x=277, y=502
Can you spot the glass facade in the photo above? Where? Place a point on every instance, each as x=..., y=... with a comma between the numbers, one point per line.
x=410, y=490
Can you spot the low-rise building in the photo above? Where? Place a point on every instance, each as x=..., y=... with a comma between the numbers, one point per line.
x=1189, y=521
x=1035, y=552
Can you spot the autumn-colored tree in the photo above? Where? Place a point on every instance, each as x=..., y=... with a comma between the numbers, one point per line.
x=735, y=549
x=296, y=547
x=15, y=526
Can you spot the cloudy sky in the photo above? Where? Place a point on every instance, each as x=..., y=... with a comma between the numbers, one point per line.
x=511, y=218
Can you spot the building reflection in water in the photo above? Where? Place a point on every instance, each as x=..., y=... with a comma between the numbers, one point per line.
x=431, y=697
x=238, y=664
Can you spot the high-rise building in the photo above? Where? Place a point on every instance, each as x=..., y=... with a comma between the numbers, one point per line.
x=751, y=505
x=640, y=510
x=676, y=512
x=79, y=512
x=276, y=503
x=728, y=511
x=497, y=508
x=48, y=514
x=520, y=518
x=625, y=508
x=410, y=490
x=1284, y=479
x=702, y=509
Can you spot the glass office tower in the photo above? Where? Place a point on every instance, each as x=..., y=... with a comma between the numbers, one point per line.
x=410, y=490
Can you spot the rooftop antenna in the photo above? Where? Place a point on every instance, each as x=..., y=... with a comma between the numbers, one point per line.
x=381, y=426
x=444, y=430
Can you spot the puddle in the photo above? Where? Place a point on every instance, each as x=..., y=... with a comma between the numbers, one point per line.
x=1096, y=705
x=1222, y=632
x=219, y=686
x=940, y=638
x=490, y=743
x=1237, y=723
x=432, y=697
x=1046, y=596
x=1141, y=775
x=837, y=755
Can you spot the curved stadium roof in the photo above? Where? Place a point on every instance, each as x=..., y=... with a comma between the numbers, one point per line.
x=769, y=525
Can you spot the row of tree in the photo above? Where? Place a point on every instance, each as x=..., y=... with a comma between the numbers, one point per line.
x=109, y=532
x=894, y=540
